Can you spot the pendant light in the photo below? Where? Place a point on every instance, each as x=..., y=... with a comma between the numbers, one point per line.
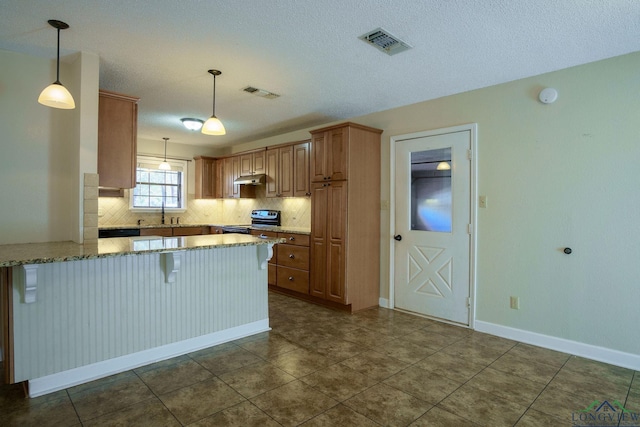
x=55, y=95
x=213, y=126
x=165, y=166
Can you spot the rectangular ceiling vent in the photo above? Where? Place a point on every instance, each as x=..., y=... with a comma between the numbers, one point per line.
x=385, y=41
x=260, y=92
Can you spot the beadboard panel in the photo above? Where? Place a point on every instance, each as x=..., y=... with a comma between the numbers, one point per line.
x=94, y=310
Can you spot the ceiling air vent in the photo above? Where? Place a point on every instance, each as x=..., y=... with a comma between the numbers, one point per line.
x=260, y=92
x=385, y=41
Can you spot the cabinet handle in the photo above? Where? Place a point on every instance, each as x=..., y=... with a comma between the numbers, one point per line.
x=292, y=238
x=291, y=278
x=307, y=194
x=291, y=256
x=263, y=236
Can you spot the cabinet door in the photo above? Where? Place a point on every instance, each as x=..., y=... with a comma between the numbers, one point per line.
x=219, y=179
x=259, y=162
x=301, y=179
x=337, y=152
x=271, y=184
x=117, y=137
x=246, y=164
x=318, y=249
x=318, y=157
x=228, y=177
x=336, y=233
x=205, y=177
x=285, y=173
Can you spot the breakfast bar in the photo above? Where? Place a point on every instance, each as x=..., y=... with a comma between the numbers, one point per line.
x=72, y=313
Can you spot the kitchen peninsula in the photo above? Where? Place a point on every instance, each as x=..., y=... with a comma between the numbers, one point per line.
x=72, y=313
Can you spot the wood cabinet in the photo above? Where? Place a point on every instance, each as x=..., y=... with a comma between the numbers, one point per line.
x=289, y=266
x=279, y=181
x=330, y=155
x=231, y=171
x=208, y=174
x=215, y=230
x=288, y=170
x=301, y=164
x=252, y=163
x=117, y=139
x=160, y=231
x=345, y=215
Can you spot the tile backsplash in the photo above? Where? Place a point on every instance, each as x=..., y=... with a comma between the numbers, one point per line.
x=296, y=211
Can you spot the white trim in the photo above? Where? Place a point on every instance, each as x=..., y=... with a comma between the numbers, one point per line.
x=384, y=303
x=473, y=129
x=83, y=374
x=601, y=354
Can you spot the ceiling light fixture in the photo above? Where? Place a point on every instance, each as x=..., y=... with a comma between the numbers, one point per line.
x=213, y=126
x=443, y=166
x=165, y=166
x=55, y=95
x=192, y=124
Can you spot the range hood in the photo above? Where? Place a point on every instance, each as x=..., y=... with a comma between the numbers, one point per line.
x=250, y=179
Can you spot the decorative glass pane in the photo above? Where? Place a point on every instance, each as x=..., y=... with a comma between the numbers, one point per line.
x=431, y=190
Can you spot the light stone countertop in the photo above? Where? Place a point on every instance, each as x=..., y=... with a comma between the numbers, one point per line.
x=280, y=229
x=41, y=253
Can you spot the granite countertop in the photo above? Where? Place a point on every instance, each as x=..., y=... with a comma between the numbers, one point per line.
x=41, y=253
x=279, y=229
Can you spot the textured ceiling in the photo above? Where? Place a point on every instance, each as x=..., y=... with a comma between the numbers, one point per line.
x=309, y=53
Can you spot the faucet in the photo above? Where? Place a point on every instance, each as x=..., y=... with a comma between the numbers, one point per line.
x=163, y=212
x=140, y=221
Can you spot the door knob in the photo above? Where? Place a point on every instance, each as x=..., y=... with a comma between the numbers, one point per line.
x=567, y=251
x=397, y=237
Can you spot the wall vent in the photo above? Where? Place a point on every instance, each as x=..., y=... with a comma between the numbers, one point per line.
x=385, y=41
x=260, y=92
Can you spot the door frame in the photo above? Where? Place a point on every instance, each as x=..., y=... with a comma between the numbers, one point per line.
x=393, y=141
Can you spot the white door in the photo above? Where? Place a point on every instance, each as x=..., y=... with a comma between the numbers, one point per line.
x=433, y=225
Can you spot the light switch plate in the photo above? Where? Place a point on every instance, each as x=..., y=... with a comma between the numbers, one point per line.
x=482, y=202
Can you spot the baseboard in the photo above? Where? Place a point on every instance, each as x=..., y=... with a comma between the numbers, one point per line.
x=384, y=303
x=84, y=374
x=601, y=354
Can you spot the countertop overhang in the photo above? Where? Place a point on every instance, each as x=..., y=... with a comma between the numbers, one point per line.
x=42, y=253
x=278, y=229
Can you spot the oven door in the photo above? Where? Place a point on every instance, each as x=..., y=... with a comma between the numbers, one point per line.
x=236, y=229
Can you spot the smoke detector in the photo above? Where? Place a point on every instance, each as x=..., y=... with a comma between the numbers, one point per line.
x=385, y=41
x=260, y=92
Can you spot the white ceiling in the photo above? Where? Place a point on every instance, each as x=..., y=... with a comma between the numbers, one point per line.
x=309, y=53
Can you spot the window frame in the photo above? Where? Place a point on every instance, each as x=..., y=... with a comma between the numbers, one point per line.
x=183, y=187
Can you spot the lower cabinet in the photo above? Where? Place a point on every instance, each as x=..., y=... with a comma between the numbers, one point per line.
x=289, y=266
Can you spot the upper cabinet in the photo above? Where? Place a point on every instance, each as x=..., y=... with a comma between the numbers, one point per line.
x=288, y=170
x=330, y=154
x=232, y=170
x=208, y=178
x=252, y=163
x=117, y=139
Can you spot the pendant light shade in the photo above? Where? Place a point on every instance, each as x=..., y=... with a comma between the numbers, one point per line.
x=165, y=166
x=55, y=95
x=213, y=126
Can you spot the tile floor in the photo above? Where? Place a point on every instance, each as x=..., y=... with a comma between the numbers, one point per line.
x=319, y=367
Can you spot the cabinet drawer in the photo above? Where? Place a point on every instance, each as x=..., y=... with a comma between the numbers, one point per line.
x=293, y=279
x=293, y=256
x=164, y=232
x=190, y=231
x=295, y=239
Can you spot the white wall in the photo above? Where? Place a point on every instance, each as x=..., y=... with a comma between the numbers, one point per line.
x=564, y=174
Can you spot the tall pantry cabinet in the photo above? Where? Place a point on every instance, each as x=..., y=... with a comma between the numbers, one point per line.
x=345, y=215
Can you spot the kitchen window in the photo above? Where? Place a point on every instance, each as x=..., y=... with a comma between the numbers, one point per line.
x=158, y=189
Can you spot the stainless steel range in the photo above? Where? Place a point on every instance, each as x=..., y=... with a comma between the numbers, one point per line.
x=259, y=217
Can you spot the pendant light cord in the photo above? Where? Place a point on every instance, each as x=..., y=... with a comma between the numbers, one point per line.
x=214, y=95
x=165, y=149
x=58, y=61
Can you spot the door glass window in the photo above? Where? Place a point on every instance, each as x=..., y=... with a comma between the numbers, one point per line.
x=431, y=190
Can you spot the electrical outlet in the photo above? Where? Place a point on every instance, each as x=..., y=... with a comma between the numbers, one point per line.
x=482, y=201
x=100, y=213
x=515, y=303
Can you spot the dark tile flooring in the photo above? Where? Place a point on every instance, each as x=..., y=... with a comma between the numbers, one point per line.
x=319, y=367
